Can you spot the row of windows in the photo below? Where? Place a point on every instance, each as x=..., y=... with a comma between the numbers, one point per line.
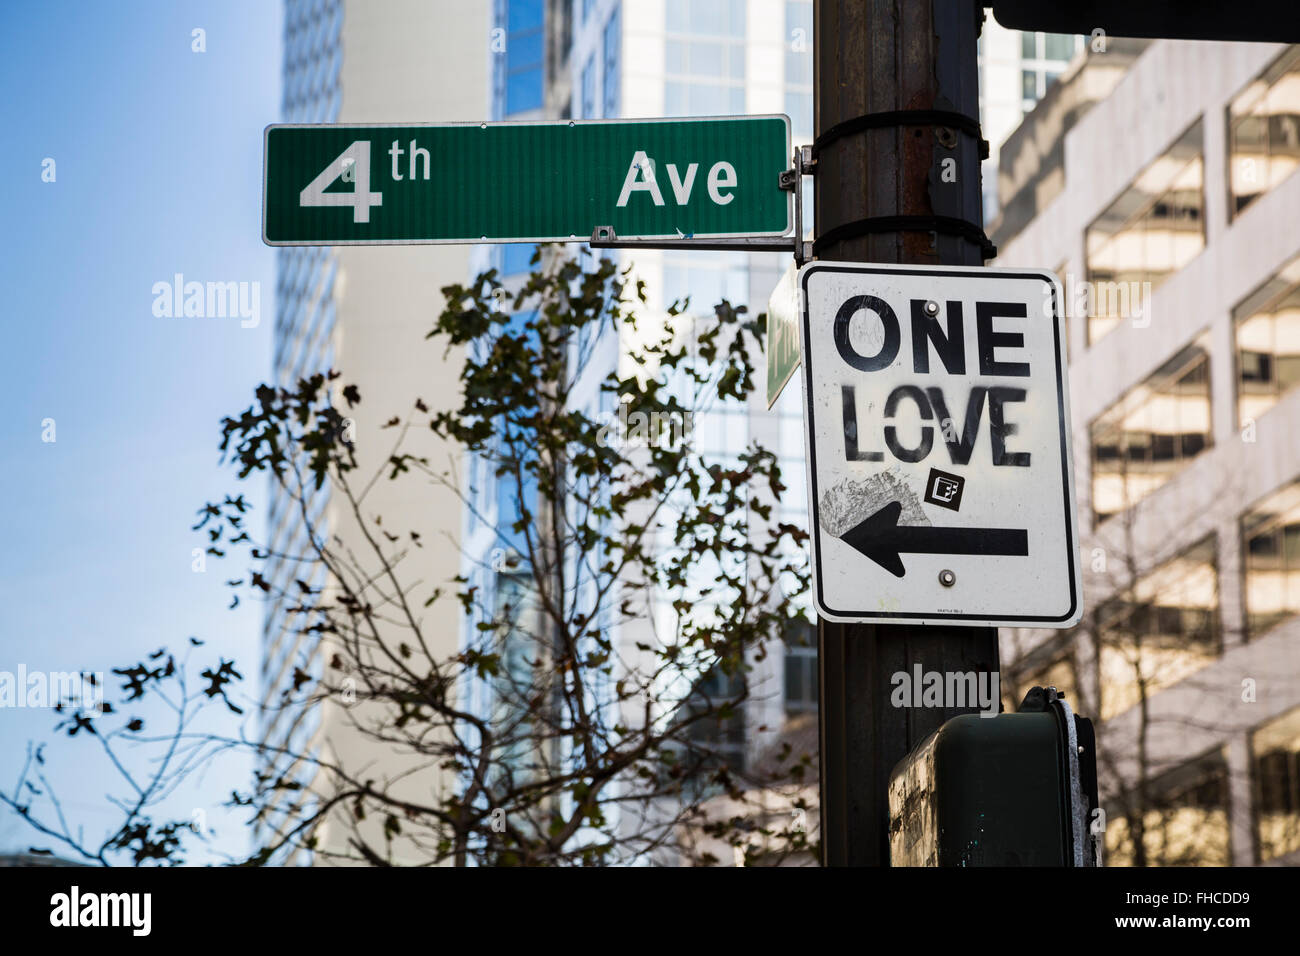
x=801, y=677
x=1167, y=625
x=519, y=73
x=1048, y=46
x=1152, y=432
x=718, y=18
x=611, y=50
x=1264, y=131
x=704, y=58
x=1043, y=57
x=608, y=104
x=1153, y=229
x=313, y=55
x=1159, y=426
x=705, y=68
x=522, y=88
x=705, y=75
x=1157, y=225
x=1164, y=628
x=304, y=326
x=1267, y=326
x=1186, y=819
x=1271, y=534
x=798, y=68
x=716, y=741
x=1276, y=763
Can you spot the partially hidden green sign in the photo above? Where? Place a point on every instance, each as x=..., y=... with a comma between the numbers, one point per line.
x=525, y=182
x=782, y=334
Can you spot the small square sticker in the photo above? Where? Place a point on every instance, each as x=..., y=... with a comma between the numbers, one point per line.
x=944, y=490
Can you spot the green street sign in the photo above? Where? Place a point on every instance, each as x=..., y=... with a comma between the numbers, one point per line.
x=525, y=182
x=782, y=334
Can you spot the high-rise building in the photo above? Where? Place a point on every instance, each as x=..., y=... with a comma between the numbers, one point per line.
x=1158, y=181
x=365, y=311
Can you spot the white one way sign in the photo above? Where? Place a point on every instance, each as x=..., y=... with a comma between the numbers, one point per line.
x=940, y=480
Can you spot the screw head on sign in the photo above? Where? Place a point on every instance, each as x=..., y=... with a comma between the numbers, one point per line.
x=932, y=308
x=947, y=578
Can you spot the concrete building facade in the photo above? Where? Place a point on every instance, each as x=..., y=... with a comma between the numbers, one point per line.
x=1158, y=181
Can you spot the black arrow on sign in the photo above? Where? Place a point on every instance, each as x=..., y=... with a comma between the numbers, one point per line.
x=881, y=538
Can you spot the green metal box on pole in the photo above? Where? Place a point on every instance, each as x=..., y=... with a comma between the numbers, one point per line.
x=1009, y=790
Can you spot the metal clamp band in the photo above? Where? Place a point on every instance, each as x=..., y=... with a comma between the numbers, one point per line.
x=947, y=225
x=889, y=118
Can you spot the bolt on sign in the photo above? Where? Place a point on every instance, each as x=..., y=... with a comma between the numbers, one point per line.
x=525, y=182
x=939, y=466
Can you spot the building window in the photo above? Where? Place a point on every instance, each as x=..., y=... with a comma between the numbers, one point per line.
x=704, y=50
x=1160, y=630
x=517, y=258
x=793, y=507
x=1271, y=558
x=611, y=43
x=475, y=469
x=801, y=669
x=523, y=56
x=1028, y=85
x=1153, y=229
x=1184, y=822
x=1276, y=751
x=589, y=89
x=1043, y=57
x=516, y=620
x=798, y=68
x=1060, y=46
x=1267, y=327
x=1037, y=670
x=1152, y=433
x=1264, y=131
x=716, y=736
x=705, y=280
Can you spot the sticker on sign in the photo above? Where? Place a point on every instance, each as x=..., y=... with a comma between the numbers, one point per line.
x=939, y=466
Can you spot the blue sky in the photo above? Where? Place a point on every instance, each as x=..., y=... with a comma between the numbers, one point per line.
x=158, y=166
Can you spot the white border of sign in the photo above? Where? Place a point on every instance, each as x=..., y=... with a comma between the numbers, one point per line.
x=266, y=134
x=1075, y=613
